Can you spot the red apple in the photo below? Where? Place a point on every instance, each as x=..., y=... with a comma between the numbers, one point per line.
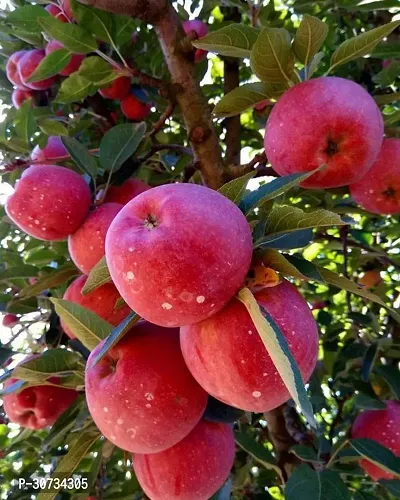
x=316, y=123
x=134, y=109
x=383, y=427
x=10, y=320
x=178, y=253
x=201, y=29
x=27, y=65
x=119, y=88
x=379, y=190
x=12, y=69
x=53, y=149
x=228, y=344
x=101, y=301
x=49, y=202
x=66, y=7
x=193, y=469
x=73, y=65
x=141, y=395
x=126, y=191
x=56, y=12
x=19, y=96
x=260, y=106
x=86, y=245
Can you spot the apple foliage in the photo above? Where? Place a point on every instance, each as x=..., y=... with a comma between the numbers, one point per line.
x=344, y=259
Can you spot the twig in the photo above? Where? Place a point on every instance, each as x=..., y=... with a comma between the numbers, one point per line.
x=163, y=118
x=294, y=425
x=146, y=79
x=160, y=147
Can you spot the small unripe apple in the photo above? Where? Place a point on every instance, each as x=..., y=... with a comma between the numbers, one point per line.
x=193, y=469
x=164, y=266
x=27, y=65
x=315, y=123
x=201, y=29
x=126, y=192
x=141, y=395
x=379, y=190
x=134, y=109
x=49, y=202
x=10, y=320
x=102, y=301
x=383, y=427
x=119, y=88
x=56, y=12
x=228, y=343
x=370, y=278
x=73, y=65
x=86, y=245
x=19, y=96
x=12, y=69
x=53, y=149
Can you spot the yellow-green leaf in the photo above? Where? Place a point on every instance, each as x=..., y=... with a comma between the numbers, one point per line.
x=73, y=37
x=51, y=65
x=98, y=276
x=309, y=38
x=54, y=279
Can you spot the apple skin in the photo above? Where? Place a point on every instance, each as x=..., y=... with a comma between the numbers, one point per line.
x=193, y=469
x=53, y=149
x=12, y=69
x=56, y=12
x=119, y=89
x=383, y=427
x=19, y=96
x=101, y=301
x=201, y=29
x=141, y=395
x=379, y=191
x=228, y=343
x=315, y=123
x=66, y=7
x=10, y=320
x=27, y=65
x=370, y=279
x=126, y=192
x=49, y=202
x=86, y=245
x=133, y=109
x=73, y=65
x=178, y=253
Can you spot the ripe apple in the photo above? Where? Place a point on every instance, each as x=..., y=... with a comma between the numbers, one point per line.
x=316, y=123
x=134, y=109
x=49, y=202
x=86, y=245
x=10, y=320
x=370, y=278
x=228, y=344
x=379, y=190
x=383, y=427
x=118, y=89
x=101, y=301
x=141, y=395
x=19, y=96
x=56, y=12
x=193, y=469
x=53, y=149
x=12, y=69
x=66, y=7
x=27, y=65
x=73, y=65
x=201, y=29
x=126, y=191
x=178, y=253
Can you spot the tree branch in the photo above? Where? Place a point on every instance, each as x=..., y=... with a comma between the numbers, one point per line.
x=146, y=10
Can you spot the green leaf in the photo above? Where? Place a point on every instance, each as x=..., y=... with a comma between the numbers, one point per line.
x=75, y=88
x=119, y=144
x=22, y=271
x=392, y=377
x=308, y=484
x=384, y=99
x=40, y=256
x=77, y=450
x=116, y=335
x=285, y=241
x=272, y=57
x=25, y=122
x=387, y=76
x=368, y=402
x=5, y=354
x=361, y=45
x=363, y=6
x=314, y=64
x=60, y=276
x=393, y=485
x=89, y=328
x=80, y=155
x=27, y=18
x=51, y=65
x=98, y=276
x=235, y=40
x=377, y=454
x=277, y=261
x=309, y=38
x=123, y=28
x=234, y=189
x=73, y=37
x=245, y=97
x=278, y=349
x=98, y=22
x=305, y=453
x=96, y=70
x=52, y=127
x=392, y=119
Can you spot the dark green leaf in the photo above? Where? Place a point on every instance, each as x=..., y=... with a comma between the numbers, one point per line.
x=73, y=37
x=60, y=276
x=80, y=155
x=257, y=450
x=305, y=453
x=23, y=271
x=234, y=189
x=393, y=485
x=392, y=376
x=306, y=484
x=377, y=454
x=286, y=241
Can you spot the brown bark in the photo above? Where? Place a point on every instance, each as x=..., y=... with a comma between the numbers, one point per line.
x=146, y=10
